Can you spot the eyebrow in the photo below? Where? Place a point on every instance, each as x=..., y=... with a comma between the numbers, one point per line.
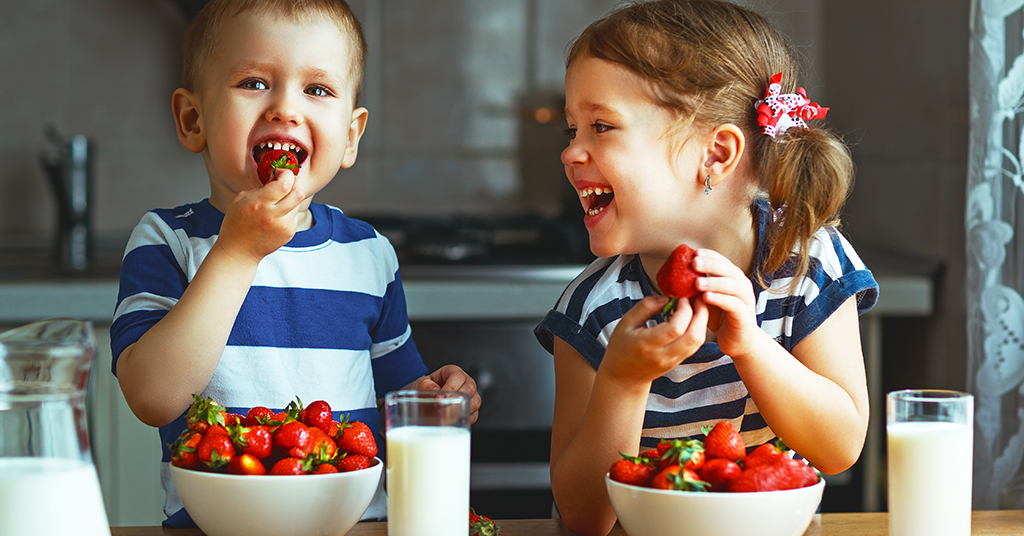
x=313, y=72
x=598, y=108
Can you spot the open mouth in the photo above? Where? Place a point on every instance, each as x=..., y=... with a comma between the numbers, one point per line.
x=260, y=150
x=596, y=199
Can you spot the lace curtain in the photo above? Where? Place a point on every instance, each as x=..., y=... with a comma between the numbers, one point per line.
x=995, y=248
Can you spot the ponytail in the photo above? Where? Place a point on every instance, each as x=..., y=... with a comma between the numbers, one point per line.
x=808, y=174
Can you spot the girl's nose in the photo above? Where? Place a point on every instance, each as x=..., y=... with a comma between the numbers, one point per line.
x=573, y=155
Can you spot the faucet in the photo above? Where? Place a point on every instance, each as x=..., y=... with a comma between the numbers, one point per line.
x=69, y=169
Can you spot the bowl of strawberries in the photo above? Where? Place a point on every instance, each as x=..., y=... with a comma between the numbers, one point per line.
x=296, y=472
x=710, y=487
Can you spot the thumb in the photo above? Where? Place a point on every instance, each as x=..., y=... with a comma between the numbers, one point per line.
x=643, y=311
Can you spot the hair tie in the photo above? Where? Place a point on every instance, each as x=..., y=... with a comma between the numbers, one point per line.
x=778, y=111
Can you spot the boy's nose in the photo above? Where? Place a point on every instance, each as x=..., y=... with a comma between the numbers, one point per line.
x=283, y=108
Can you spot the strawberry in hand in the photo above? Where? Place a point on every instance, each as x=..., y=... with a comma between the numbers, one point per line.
x=677, y=278
x=273, y=160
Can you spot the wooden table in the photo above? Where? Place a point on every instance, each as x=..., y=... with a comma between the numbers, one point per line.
x=990, y=523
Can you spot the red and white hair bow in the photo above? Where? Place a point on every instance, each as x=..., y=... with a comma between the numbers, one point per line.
x=778, y=111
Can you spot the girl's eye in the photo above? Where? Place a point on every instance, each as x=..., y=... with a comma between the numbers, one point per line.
x=601, y=127
x=253, y=83
x=570, y=133
x=319, y=91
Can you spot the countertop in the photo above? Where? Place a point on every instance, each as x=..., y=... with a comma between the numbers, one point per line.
x=988, y=523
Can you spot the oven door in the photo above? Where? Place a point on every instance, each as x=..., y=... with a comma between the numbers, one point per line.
x=512, y=437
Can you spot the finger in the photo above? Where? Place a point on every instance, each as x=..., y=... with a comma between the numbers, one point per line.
x=711, y=262
x=640, y=313
x=426, y=384
x=695, y=333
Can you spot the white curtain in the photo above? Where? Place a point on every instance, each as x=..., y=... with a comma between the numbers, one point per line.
x=995, y=248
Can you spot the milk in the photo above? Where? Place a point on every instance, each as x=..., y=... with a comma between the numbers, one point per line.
x=428, y=481
x=929, y=478
x=50, y=497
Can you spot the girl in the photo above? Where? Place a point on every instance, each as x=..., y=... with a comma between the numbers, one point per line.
x=665, y=148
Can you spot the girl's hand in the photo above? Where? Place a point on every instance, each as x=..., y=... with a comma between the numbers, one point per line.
x=261, y=220
x=638, y=354
x=730, y=299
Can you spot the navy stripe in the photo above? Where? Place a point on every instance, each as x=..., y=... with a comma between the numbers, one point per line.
x=397, y=368
x=198, y=220
x=712, y=377
x=144, y=269
x=714, y=412
x=393, y=320
x=128, y=328
x=574, y=308
x=309, y=318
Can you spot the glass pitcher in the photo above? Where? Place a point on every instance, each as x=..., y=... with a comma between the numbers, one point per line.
x=48, y=484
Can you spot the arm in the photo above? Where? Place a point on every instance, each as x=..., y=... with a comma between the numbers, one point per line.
x=177, y=357
x=599, y=414
x=816, y=398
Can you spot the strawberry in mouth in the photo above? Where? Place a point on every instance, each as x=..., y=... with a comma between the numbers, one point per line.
x=270, y=156
x=596, y=199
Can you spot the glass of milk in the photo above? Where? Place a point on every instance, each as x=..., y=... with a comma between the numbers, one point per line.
x=930, y=439
x=427, y=435
x=48, y=484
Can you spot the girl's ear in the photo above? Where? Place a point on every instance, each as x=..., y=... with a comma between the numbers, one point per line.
x=187, y=118
x=355, y=132
x=723, y=152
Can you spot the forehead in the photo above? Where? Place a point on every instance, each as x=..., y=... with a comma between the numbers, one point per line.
x=600, y=86
x=314, y=42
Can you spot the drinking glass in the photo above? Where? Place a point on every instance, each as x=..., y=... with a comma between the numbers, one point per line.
x=427, y=435
x=930, y=462
x=48, y=484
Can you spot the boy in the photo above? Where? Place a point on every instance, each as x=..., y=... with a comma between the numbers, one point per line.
x=256, y=295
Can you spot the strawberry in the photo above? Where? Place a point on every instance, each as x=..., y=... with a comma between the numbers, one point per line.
x=246, y=464
x=204, y=413
x=215, y=450
x=765, y=454
x=291, y=466
x=677, y=278
x=633, y=470
x=323, y=469
x=183, y=450
x=321, y=446
x=258, y=415
x=482, y=525
x=275, y=159
x=785, y=474
x=232, y=419
x=353, y=462
x=318, y=414
x=718, y=472
x=677, y=477
x=256, y=440
x=293, y=439
x=687, y=452
x=357, y=438
x=723, y=441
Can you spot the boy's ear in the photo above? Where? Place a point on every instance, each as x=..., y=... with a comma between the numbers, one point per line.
x=725, y=146
x=185, y=106
x=355, y=132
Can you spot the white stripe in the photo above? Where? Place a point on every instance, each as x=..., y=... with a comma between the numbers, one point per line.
x=273, y=377
x=144, y=301
x=383, y=348
x=778, y=326
x=716, y=394
x=313, y=272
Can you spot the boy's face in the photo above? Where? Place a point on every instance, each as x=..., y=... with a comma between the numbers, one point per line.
x=271, y=80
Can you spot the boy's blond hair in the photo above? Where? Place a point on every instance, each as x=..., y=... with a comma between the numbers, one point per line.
x=201, y=35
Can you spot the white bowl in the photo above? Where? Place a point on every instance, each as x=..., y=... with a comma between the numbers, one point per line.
x=300, y=505
x=655, y=512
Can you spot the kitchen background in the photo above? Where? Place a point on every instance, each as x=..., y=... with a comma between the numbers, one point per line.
x=458, y=93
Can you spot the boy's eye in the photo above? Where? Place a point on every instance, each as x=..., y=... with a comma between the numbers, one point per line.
x=318, y=91
x=253, y=83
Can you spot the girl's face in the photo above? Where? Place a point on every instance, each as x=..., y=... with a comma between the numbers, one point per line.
x=640, y=191
x=271, y=80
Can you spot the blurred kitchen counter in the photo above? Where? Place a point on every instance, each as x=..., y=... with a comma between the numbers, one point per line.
x=432, y=293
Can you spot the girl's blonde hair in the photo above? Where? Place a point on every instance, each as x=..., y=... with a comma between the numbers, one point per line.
x=708, y=62
x=201, y=35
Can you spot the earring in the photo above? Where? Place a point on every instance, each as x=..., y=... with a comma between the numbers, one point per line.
x=707, y=185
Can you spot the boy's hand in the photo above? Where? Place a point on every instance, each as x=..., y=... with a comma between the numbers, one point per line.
x=638, y=354
x=261, y=220
x=451, y=378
